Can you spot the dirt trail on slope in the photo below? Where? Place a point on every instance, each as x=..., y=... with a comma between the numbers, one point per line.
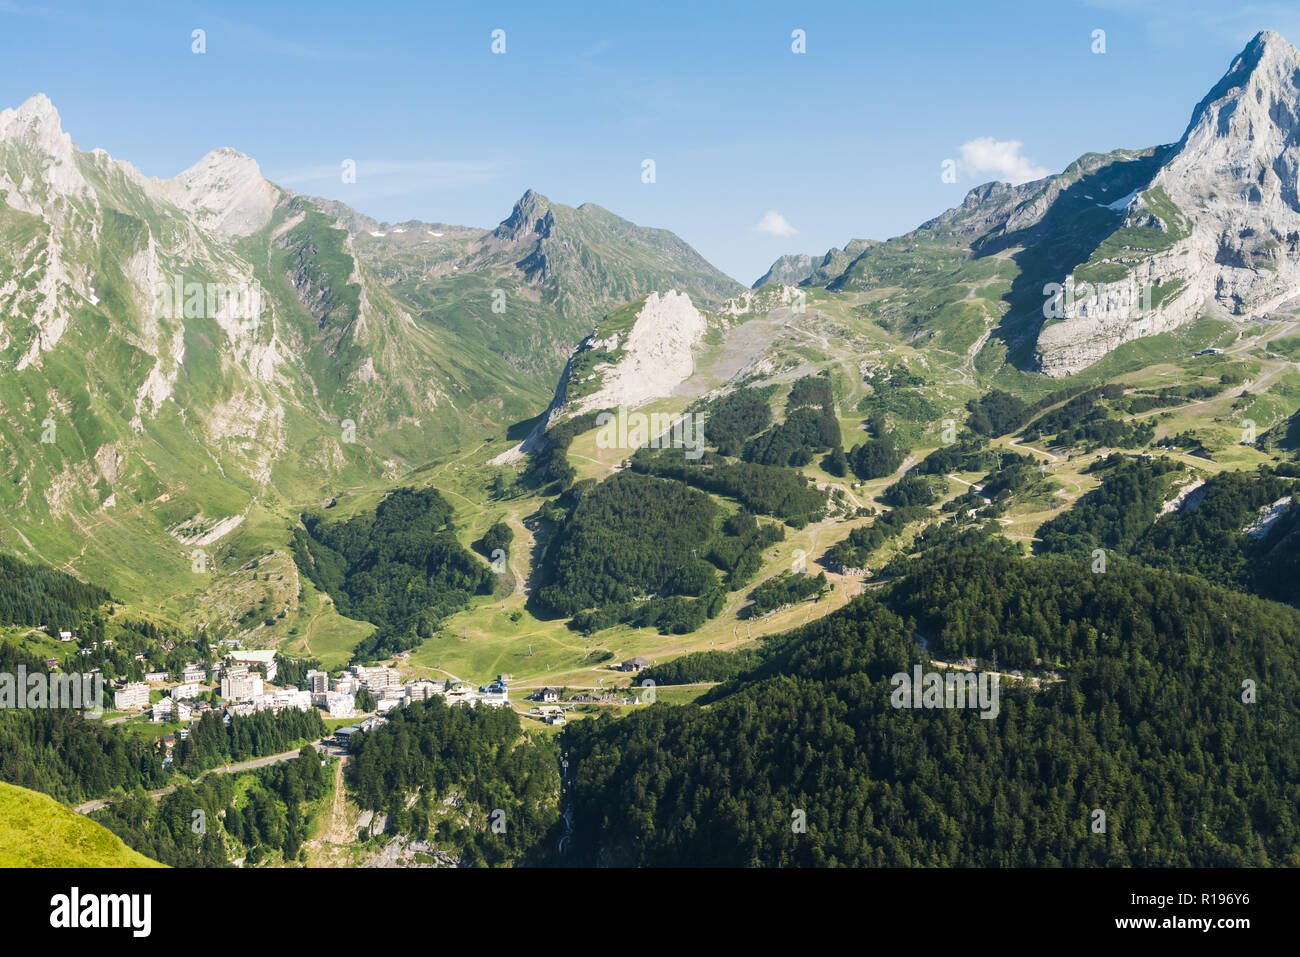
x=329, y=848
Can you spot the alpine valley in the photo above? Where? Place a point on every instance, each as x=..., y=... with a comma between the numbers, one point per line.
x=1050, y=435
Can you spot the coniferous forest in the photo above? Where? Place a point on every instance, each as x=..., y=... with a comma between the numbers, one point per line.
x=401, y=567
x=1140, y=715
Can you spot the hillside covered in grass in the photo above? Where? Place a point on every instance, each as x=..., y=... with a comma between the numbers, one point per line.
x=37, y=831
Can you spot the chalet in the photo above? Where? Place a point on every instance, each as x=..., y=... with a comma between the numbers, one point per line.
x=634, y=664
x=547, y=695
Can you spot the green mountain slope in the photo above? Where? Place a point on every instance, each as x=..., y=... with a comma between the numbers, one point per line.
x=530, y=289
x=191, y=361
x=38, y=831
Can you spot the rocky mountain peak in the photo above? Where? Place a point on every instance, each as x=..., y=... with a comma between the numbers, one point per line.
x=1253, y=111
x=41, y=152
x=1265, y=68
x=531, y=218
x=225, y=191
x=1216, y=229
x=35, y=122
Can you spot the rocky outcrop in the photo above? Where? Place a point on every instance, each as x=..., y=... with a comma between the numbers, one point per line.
x=653, y=358
x=625, y=367
x=42, y=160
x=803, y=269
x=759, y=302
x=1217, y=229
x=225, y=192
x=992, y=205
x=792, y=269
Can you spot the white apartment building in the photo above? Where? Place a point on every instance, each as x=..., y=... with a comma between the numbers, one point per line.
x=238, y=685
x=421, y=690
x=280, y=698
x=346, y=684
x=194, y=673
x=338, y=705
x=135, y=695
x=378, y=679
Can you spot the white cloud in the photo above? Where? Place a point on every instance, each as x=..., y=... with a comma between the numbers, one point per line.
x=774, y=224
x=1000, y=159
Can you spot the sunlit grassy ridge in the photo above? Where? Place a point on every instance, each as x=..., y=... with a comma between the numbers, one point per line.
x=38, y=831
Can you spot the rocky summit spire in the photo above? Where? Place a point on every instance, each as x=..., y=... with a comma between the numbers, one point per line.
x=1234, y=173
x=37, y=159
x=35, y=122
x=1217, y=228
x=1265, y=68
x=531, y=218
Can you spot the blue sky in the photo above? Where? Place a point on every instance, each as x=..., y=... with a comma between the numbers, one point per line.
x=750, y=140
